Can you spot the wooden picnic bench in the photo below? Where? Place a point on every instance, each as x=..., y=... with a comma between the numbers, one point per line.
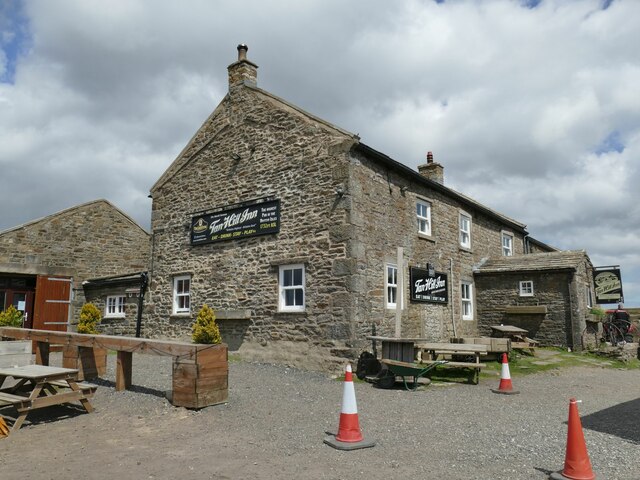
x=518, y=336
x=40, y=386
x=458, y=355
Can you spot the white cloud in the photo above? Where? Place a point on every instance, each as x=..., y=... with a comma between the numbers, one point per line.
x=513, y=101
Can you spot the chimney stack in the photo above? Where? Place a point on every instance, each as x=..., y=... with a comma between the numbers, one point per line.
x=432, y=170
x=242, y=72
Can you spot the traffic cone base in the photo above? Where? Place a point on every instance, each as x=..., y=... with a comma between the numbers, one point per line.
x=349, y=436
x=505, y=387
x=560, y=476
x=337, y=444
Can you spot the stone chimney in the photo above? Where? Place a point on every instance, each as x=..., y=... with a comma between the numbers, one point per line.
x=432, y=170
x=243, y=71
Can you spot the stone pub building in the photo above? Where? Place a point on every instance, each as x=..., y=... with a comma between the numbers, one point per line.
x=300, y=237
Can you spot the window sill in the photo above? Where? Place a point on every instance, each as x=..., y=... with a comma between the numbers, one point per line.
x=107, y=317
x=465, y=249
x=424, y=236
x=180, y=315
x=292, y=313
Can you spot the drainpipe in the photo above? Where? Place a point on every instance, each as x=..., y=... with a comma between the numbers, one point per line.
x=144, y=280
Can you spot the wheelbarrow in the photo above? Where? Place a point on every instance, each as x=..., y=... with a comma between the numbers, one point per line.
x=394, y=368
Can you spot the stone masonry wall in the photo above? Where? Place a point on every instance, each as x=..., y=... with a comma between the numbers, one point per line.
x=383, y=218
x=254, y=146
x=497, y=291
x=89, y=241
x=115, y=325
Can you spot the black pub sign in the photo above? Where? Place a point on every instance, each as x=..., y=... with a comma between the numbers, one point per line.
x=428, y=288
x=235, y=223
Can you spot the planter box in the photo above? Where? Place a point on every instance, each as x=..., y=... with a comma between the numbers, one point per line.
x=16, y=352
x=201, y=381
x=91, y=362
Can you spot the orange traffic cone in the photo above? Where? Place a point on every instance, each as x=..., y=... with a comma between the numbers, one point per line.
x=349, y=436
x=577, y=465
x=505, y=386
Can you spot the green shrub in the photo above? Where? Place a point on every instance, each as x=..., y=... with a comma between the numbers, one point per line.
x=11, y=317
x=598, y=312
x=205, y=330
x=89, y=317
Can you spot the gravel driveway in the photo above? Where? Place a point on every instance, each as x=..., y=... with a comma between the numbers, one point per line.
x=273, y=428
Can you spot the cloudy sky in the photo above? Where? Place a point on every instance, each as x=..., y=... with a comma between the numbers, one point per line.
x=532, y=106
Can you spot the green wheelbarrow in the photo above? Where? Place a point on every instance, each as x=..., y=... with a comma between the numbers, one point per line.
x=394, y=368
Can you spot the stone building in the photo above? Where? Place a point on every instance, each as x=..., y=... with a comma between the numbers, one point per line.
x=548, y=294
x=301, y=237
x=44, y=263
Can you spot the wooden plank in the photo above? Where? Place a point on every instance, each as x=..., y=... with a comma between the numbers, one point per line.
x=459, y=347
x=457, y=364
x=13, y=348
x=110, y=342
x=124, y=364
x=42, y=353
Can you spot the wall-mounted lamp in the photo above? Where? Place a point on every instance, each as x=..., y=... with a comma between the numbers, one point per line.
x=403, y=189
x=235, y=156
x=339, y=191
x=431, y=269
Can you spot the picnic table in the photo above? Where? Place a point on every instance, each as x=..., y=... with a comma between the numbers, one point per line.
x=399, y=354
x=517, y=335
x=39, y=386
x=458, y=355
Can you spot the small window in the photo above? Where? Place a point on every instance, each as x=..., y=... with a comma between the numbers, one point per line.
x=182, y=294
x=526, y=288
x=466, y=294
x=291, y=288
x=465, y=230
x=423, y=213
x=114, y=306
x=589, y=294
x=507, y=244
x=391, y=285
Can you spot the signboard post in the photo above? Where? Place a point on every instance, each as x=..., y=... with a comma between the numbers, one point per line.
x=429, y=286
x=240, y=222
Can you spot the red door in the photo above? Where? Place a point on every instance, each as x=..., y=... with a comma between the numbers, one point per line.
x=52, y=303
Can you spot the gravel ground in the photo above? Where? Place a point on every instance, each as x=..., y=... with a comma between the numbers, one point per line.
x=274, y=422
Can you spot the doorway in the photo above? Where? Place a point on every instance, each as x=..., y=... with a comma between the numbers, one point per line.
x=19, y=291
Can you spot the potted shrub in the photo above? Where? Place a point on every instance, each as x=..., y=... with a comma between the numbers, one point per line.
x=205, y=330
x=13, y=352
x=89, y=361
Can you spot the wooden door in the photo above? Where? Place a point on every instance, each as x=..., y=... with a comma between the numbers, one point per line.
x=52, y=303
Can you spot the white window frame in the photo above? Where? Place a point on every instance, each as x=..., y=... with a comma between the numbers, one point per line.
x=466, y=300
x=464, y=230
x=392, y=287
x=117, y=302
x=507, y=250
x=282, y=304
x=177, y=309
x=589, y=297
x=424, y=221
x=526, y=288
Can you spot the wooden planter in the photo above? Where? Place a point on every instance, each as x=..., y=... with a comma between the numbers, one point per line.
x=91, y=362
x=202, y=380
x=15, y=352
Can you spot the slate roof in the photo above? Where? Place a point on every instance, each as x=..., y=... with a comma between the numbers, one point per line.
x=532, y=262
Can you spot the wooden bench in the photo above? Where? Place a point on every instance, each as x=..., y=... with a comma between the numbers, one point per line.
x=11, y=399
x=438, y=351
x=85, y=387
